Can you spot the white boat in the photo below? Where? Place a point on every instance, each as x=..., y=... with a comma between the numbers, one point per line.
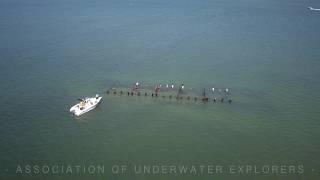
x=85, y=105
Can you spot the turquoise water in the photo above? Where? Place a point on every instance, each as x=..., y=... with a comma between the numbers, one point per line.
x=53, y=52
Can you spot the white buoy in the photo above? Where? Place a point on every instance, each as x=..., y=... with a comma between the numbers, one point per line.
x=172, y=86
x=167, y=85
x=137, y=83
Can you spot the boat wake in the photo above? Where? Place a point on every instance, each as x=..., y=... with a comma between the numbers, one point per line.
x=313, y=9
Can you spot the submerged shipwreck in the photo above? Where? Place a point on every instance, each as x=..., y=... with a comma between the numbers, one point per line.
x=174, y=92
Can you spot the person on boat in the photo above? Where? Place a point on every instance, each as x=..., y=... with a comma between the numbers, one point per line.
x=181, y=89
x=172, y=86
x=157, y=88
x=167, y=85
x=213, y=89
x=204, y=98
x=136, y=86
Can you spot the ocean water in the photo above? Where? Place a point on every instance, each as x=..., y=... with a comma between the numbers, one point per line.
x=265, y=51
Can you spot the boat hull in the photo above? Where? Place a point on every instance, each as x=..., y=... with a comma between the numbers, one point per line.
x=90, y=104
